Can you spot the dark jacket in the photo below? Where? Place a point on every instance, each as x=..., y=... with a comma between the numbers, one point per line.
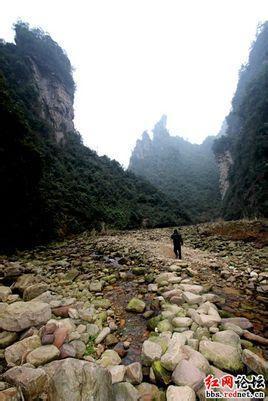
x=177, y=240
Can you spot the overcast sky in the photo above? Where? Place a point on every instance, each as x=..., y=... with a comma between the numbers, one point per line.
x=135, y=60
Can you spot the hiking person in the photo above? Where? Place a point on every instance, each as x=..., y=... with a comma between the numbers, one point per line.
x=177, y=242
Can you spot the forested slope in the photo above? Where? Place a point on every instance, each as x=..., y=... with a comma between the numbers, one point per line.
x=53, y=185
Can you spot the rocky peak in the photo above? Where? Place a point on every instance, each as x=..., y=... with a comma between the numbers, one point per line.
x=160, y=131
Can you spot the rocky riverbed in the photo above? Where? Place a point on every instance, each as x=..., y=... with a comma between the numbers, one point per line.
x=115, y=317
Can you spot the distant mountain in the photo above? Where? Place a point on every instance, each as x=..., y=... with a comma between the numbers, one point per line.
x=51, y=184
x=184, y=171
x=242, y=151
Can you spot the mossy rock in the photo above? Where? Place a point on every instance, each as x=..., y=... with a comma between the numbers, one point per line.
x=138, y=271
x=153, y=322
x=163, y=376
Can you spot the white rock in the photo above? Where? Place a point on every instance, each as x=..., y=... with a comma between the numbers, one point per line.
x=174, y=353
x=181, y=393
x=191, y=298
x=117, y=372
x=102, y=335
x=150, y=352
x=182, y=322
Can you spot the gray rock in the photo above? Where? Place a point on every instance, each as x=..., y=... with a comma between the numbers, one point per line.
x=191, y=298
x=150, y=352
x=15, y=352
x=77, y=380
x=96, y=286
x=7, y=338
x=181, y=321
x=193, y=288
x=109, y=358
x=43, y=355
x=79, y=347
x=242, y=322
x=174, y=353
x=187, y=374
x=227, y=337
x=136, y=305
x=22, y=315
x=148, y=391
x=4, y=293
x=102, y=335
x=125, y=392
x=34, y=290
x=181, y=393
x=134, y=373
x=223, y=356
x=33, y=382
x=255, y=363
x=196, y=358
x=117, y=372
x=92, y=329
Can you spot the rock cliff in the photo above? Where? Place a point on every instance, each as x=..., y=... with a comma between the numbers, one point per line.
x=56, y=102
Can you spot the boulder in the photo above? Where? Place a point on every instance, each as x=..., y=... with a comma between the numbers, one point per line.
x=196, y=358
x=150, y=352
x=77, y=380
x=242, y=322
x=10, y=394
x=80, y=348
x=136, y=305
x=34, y=290
x=24, y=281
x=255, y=363
x=109, y=358
x=160, y=374
x=124, y=392
x=67, y=351
x=117, y=372
x=223, y=356
x=227, y=337
x=193, y=288
x=174, y=353
x=15, y=353
x=181, y=321
x=4, y=293
x=187, y=374
x=181, y=393
x=134, y=373
x=92, y=329
x=7, y=338
x=33, y=382
x=164, y=325
x=22, y=315
x=43, y=355
x=148, y=392
x=191, y=298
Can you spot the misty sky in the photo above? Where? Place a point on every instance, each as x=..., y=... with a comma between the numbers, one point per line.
x=135, y=60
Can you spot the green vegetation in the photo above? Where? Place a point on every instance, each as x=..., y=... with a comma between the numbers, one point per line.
x=52, y=189
x=246, y=136
x=185, y=172
x=90, y=350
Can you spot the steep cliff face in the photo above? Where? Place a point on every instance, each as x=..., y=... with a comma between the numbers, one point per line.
x=56, y=103
x=186, y=172
x=242, y=150
x=225, y=162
